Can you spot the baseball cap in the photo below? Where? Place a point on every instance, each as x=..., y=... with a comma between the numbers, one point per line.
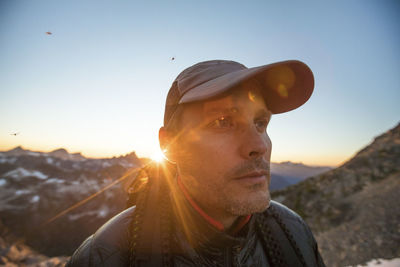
x=285, y=85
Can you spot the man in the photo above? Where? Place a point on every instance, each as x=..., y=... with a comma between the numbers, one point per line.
x=209, y=204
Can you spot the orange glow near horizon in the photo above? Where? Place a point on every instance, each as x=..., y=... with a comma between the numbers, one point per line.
x=333, y=160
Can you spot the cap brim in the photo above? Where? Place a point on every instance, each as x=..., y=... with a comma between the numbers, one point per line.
x=286, y=85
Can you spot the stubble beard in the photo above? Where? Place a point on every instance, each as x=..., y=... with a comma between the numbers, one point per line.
x=258, y=197
x=255, y=200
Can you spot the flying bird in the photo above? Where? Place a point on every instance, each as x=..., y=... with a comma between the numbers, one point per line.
x=49, y=33
x=172, y=58
x=15, y=134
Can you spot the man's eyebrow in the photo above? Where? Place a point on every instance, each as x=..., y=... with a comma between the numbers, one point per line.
x=234, y=110
x=264, y=113
x=217, y=110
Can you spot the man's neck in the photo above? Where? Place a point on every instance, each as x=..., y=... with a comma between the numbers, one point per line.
x=219, y=219
x=227, y=220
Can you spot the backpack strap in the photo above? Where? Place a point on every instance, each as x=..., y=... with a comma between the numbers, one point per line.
x=152, y=231
x=148, y=250
x=280, y=248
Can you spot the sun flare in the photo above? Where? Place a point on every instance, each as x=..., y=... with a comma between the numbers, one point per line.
x=158, y=156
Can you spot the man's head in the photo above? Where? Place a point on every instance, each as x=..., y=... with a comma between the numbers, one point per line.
x=215, y=122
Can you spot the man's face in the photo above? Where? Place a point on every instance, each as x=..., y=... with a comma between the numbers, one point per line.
x=223, y=152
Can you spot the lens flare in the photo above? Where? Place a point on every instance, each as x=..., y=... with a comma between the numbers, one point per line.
x=158, y=156
x=251, y=95
x=282, y=91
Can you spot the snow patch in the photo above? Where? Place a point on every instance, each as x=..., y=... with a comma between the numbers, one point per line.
x=103, y=212
x=382, y=263
x=21, y=172
x=31, y=153
x=39, y=175
x=17, y=173
x=106, y=164
x=126, y=165
x=10, y=160
x=49, y=160
x=35, y=198
x=54, y=181
x=22, y=192
x=74, y=217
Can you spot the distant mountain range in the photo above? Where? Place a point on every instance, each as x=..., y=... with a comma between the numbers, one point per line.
x=282, y=174
x=288, y=173
x=354, y=209
x=36, y=186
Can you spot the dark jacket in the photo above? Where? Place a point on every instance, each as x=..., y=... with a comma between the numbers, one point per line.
x=206, y=246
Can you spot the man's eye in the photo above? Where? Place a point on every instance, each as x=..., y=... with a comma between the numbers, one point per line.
x=222, y=122
x=262, y=124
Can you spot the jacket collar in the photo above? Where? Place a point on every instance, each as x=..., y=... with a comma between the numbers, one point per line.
x=201, y=229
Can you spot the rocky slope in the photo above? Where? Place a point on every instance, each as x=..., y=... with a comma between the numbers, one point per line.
x=353, y=210
x=13, y=253
x=36, y=186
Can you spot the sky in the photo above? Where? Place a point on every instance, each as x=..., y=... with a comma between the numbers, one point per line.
x=97, y=85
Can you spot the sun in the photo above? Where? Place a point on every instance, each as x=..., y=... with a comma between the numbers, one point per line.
x=158, y=156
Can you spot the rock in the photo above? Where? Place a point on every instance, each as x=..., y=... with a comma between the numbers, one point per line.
x=353, y=210
x=15, y=253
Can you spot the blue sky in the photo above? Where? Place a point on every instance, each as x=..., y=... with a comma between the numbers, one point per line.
x=98, y=84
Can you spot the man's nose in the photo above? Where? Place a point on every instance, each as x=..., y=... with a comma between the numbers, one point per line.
x=254, y=144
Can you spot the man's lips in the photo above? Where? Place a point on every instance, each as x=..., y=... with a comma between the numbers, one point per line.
x=254, y=174
x=252, y=178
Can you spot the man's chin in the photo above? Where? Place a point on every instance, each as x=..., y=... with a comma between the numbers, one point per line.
x=253, y=204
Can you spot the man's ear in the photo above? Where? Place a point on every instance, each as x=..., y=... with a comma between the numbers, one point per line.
x=166, y=140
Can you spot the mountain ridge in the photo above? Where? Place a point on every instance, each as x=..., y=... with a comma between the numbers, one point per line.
x=332, y=204
x=283, y=174
x=58, y=152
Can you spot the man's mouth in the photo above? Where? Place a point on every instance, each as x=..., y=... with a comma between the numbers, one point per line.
x=253, y=177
